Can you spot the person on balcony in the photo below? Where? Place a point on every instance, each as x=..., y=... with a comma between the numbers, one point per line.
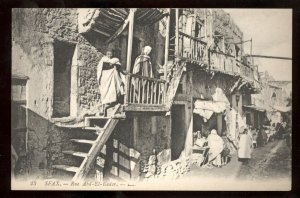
x=142, y=65
x=216, y=146
x=110, y=82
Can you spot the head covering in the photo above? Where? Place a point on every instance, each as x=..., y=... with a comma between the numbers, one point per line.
x=147, y=50
x=214, y=131
x=114, y=61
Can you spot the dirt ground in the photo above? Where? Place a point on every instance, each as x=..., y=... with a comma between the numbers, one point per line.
x=267, y=163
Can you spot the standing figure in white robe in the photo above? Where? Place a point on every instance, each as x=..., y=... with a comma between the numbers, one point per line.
x=110, y=81
x=244, y=146
x=216, y=146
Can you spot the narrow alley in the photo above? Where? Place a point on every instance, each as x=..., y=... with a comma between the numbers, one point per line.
x=268, y=162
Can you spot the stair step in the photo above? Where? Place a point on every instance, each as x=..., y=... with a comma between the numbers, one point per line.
x=66, y=168
x=93, y=128
x=91, y=142
x=97, y=117
x=75, y=153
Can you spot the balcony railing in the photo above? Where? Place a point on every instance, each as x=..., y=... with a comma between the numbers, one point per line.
x=191, y=48
x=224, y=62
x=145, y=91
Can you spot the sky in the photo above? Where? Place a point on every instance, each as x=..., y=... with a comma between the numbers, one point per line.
x=271, y=32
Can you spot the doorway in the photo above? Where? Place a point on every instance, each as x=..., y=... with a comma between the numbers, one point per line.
x=178, y=131
x=63, y=54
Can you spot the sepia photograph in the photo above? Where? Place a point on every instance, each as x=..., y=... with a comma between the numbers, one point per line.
x=177, y=99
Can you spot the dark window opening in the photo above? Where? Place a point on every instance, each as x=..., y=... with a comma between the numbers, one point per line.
x=63, y=54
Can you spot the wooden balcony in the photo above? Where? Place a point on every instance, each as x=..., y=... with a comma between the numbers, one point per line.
x=229, y=64
x=192, y=49
x=145, y=94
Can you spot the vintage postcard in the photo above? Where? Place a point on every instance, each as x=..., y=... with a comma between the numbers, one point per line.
x=151, y=99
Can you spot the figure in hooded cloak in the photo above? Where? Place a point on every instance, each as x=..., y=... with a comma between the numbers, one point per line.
x=142, y=65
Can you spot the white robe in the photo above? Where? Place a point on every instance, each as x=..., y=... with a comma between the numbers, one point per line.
x=216, y=146
x=245, y=144
x=110, y=83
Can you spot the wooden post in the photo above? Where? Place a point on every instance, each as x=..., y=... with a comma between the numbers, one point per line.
x=135, y=131
x=167, y=44
x=251, y=52
x=205, y=27
x=177, y=34
x=129, y=52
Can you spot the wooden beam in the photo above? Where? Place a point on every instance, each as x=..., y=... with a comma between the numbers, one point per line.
x=167, y=44
x=273, y=57
x=129, y=52
x=119, y=31
x=144, y=107
x=130, y=39
x=177, y=33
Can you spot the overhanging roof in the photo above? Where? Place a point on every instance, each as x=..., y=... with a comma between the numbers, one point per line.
x=106, y=21
x=283, y=109
x=254, y=107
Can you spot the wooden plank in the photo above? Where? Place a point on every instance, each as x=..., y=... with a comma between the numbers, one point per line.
x=143, y=90
x=155, y=91
x=177, y=32
x=83, y=141
x=129, y=52
x=167, y=42
x=159, y=93
x=148, y=92
x=152, y=92
x=139, y=91
x=66, y=168
x=130, y=39
x=75, y=153
x=148, y=108
x=146, y=78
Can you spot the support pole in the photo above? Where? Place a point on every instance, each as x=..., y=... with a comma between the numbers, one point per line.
x=167, y=44
x=177, y=34
x=130, y=39
x=251, y=51
x=129, y=53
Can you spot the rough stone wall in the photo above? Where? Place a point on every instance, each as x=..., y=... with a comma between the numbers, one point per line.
x=88, y=90
x=33, y=35
x=224, y=25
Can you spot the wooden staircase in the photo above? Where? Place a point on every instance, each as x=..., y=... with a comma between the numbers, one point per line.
x=86, y=146
x=177, y=72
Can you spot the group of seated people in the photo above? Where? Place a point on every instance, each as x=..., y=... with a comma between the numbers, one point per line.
x=218, y=151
